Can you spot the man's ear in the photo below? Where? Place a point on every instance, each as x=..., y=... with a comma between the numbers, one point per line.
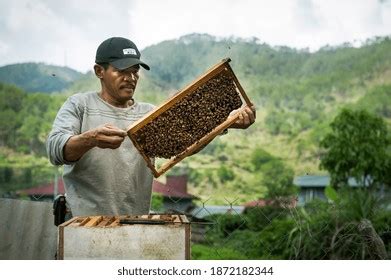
x=99, y=71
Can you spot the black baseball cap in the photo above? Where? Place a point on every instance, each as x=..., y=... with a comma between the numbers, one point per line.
x=119, y=52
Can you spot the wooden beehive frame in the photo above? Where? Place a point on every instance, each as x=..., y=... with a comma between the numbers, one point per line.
x=211, y=73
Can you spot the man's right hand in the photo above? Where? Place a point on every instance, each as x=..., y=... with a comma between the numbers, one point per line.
x=105, y=136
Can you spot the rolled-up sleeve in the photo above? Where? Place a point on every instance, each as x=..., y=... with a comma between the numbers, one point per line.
x=67, y=123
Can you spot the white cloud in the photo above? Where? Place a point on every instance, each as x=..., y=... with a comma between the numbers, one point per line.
x=173, y=18
x=3, y=48
x=59, y=32
x=54, y=31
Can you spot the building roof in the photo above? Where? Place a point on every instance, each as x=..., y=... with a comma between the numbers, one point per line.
x=288, y=203
x=318, y=181
x=47, y=189
x=176, y=186
x=258, y=203
x=201, y=212
x=169, y=191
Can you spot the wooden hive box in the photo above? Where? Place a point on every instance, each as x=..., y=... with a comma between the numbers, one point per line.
x=157, y=237
x=191, y=119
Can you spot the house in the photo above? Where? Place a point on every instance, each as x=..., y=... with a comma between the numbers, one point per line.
x=313, y=186
x=283, y=203
x=201, y=220
x=174, y=192
x=207, y=210
x=45, y=192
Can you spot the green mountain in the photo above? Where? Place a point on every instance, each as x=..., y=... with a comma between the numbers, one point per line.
x=39, y=77
x=275, y=75
x=297, y=93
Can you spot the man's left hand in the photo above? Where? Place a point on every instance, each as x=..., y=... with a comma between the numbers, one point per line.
x=246, y=117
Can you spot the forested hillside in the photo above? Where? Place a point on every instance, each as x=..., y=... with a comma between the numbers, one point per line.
x=38, y=77
x=297, y=93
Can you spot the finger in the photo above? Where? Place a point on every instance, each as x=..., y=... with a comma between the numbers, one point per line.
x=109, y=140
x=250, y=115
x=112, y=146
x=246, y=118
x=109, y=146
x=111, y=126
x=116, y=139
x=253, y=109
x=240, y=119
x=114, y=131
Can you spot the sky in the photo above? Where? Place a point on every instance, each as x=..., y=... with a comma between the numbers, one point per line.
x=67, y=33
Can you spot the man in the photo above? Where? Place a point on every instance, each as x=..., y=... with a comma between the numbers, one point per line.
x=104, y=174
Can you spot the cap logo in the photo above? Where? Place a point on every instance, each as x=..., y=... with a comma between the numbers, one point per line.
x=130, y=51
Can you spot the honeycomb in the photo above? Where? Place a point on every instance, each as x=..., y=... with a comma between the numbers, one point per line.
x=190, y=119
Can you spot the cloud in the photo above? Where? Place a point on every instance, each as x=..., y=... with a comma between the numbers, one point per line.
x=173, y=18
x=296, y=23
x=68, y=32
x=348, y=20
x=59, y=32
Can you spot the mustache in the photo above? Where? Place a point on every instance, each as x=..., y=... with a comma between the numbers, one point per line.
x=128, y=85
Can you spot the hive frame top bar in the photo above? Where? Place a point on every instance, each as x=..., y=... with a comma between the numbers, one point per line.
x=222, y=66
x=114, y=221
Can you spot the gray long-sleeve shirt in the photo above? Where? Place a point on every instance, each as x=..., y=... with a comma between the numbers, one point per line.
x=103, y=181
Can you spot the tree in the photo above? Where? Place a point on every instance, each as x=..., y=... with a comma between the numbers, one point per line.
x=11, y=103
x=358, y=146
x=260, y=157
x=225, y=174
x=278, y=179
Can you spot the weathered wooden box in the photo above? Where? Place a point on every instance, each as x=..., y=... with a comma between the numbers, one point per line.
x=156, y=237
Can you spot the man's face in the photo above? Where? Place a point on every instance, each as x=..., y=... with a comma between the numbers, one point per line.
x=119, y=85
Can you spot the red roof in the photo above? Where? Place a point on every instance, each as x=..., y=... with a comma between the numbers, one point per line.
x=47, y=189
x=290, y=203
x=257, y=203
x=176, y=186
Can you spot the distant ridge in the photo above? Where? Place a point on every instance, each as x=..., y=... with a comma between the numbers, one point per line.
x=39, y=77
